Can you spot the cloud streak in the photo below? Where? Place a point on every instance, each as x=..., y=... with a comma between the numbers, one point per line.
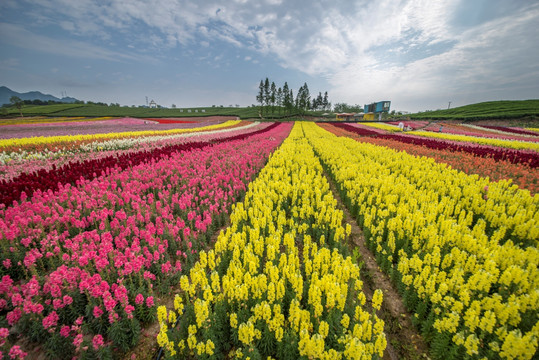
x=19, y=36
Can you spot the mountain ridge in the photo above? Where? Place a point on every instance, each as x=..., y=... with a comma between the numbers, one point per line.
x=6, y=93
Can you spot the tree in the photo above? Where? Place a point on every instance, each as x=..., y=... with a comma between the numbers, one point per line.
x=15, y=100
x=325, y=101
x=303, y=99
x=344, y=107
x=279, y=99
x=286, y=97
x=260, y=96
x=319, y=101
x=291, y=104
x=267, y=94
x=273, y=91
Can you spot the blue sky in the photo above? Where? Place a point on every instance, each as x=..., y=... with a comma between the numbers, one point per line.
x=419, y=54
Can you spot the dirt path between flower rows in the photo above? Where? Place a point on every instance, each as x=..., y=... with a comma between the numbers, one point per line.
x=403, y=340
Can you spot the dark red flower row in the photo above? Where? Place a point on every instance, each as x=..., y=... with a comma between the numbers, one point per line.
x=497, y=153
x=68, y=174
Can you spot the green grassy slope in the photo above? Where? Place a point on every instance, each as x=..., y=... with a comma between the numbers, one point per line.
x=505, y=109
x=91, y=110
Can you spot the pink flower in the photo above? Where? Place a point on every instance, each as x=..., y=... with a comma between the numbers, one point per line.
x=16, y=299
x=65, y=330
x=149, y=301
x=139, y=299
x=113, y=316
x=97, y=342
x=110, y=303
x=186, y=232
x=50, y=320
x=7, y=263
x=97, y=311
x=57, y=304
x=166, y=267
x=4, y=333
x=77, y=341
x=16, y=352
x=129, y=311
x=13, y=316
x=68, y=300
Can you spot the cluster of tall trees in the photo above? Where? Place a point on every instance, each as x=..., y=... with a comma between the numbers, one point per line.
x=281, y=102
x=344, y=107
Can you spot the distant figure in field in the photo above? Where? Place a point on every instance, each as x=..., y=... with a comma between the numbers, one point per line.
x=441, y=128
x=408, y=128
x=401, y=126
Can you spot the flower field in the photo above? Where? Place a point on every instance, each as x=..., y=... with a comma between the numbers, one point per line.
x=277, y=284
x=226, y=235
x=447, y=241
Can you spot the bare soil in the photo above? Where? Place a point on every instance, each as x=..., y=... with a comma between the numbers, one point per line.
x=403, y=340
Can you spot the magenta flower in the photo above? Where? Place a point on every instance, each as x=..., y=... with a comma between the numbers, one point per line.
x=4, y=333
x=50, y=320
x=97, y=311
x=16, y=353
x=149, y=301
x=78, y=340
x=13, y=316
x=65, y=330
x=97, y=342
x=139, y=299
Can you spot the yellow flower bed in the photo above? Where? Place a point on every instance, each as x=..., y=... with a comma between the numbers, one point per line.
x=386, y=127
x=43, y=140
x=45, y=119
x=276, y=285
x=512, y=144
x=462, y=250
x=533, y=129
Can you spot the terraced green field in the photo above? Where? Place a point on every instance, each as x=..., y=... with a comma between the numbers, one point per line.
x=505, y=109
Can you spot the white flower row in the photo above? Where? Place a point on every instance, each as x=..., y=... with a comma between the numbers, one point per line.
x=496, y=131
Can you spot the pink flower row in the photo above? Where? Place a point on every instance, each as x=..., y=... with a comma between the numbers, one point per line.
x=463, y=130
x=104, y=248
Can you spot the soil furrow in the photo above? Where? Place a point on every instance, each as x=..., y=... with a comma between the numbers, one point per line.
x=403, y=340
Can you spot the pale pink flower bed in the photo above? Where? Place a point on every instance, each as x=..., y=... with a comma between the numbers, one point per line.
x=96, y=127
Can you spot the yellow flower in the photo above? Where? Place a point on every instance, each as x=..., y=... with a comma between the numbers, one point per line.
x=377, y=299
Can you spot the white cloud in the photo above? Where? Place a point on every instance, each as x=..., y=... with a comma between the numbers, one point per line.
x=491, y=61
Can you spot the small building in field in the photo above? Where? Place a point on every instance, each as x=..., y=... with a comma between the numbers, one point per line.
x=377, y=108
x=344, y=116
x=153, y=104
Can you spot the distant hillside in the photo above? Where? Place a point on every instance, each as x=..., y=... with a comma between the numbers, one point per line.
x=504, y=109
x=6, y=93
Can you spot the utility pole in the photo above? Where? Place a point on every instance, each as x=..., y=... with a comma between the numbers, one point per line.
x=448, y=106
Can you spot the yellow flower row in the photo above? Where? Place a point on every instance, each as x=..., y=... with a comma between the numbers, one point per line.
x=512, y=144
x=46, y=119
x=42, y=140
x=467, y=277
x=276, y=284
x=382, y=126
x=533, y=129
